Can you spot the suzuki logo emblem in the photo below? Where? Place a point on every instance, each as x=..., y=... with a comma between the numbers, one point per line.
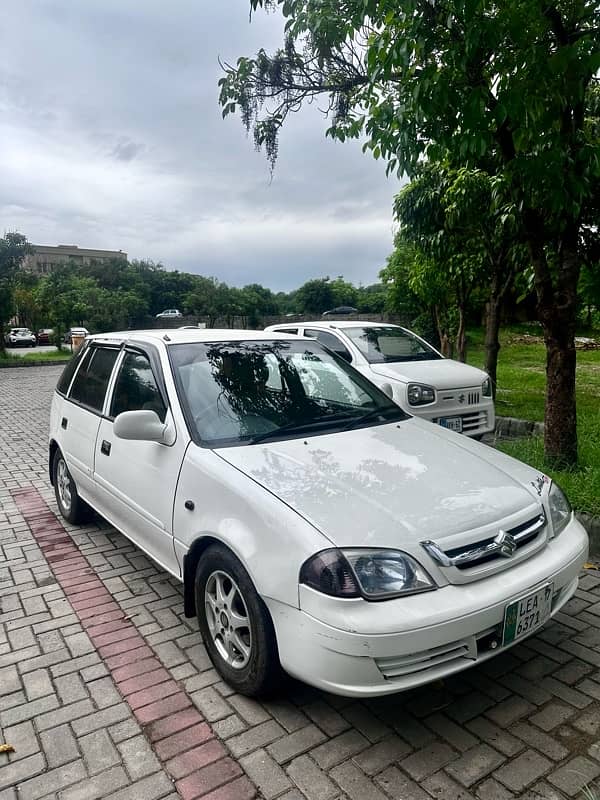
x=506, y=544
x=461, y=399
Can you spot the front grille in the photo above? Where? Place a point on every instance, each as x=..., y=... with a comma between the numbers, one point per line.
x=473, y=398
x=489, y=549
x=474, y=421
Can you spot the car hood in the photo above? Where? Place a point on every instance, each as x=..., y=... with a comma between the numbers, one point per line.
x=442, y=373
x=388, y=485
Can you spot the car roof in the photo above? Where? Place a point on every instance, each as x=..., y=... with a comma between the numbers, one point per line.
x=182, y=336
x=338, y=323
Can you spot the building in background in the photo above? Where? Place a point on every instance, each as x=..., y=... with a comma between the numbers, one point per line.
x=45, y=258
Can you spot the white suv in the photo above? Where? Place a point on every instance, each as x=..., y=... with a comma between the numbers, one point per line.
x=449, y=393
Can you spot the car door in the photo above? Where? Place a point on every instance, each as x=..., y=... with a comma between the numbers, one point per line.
x=81, y=414
x=137, y=479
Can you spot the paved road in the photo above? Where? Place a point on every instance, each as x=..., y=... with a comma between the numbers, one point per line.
x=106, y=690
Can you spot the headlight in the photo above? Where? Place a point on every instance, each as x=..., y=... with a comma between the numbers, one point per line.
x=372, y=574
x=486, y=388
x=419, y=395
x=560, y=508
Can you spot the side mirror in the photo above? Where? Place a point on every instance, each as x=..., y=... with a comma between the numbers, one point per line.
x=142, y=426
x=386, y=388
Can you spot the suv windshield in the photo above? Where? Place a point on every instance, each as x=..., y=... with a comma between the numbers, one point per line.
x=251, y=391
x=389, y=343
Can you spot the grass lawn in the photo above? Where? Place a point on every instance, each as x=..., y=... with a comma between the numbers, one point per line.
x=521, y=393
x=48, y=355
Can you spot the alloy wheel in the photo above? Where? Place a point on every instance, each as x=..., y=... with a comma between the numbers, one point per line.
x=228, y=620
x=63, y=481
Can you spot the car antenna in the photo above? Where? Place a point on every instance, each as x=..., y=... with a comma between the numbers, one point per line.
x=166, y=337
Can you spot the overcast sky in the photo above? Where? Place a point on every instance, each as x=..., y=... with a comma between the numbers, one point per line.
x=111, y=136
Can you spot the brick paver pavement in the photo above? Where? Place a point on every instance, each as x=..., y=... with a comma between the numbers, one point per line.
x=106, y=690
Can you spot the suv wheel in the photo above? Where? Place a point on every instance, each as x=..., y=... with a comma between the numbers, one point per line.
x=235, y=624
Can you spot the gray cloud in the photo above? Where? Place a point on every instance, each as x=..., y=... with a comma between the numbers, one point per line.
x=126, y=150
x=111, y=136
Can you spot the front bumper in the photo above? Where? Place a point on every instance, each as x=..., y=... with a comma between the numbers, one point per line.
x=475, y=421
x=363, y=649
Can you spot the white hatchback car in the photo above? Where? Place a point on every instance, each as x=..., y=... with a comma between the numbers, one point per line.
x=449, y=393
x=315, y=525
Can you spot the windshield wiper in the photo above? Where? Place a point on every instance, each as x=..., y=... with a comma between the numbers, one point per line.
x=293, y=427
x=372, y=414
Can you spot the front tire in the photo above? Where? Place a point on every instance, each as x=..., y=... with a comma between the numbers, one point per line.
x=71, y=506
x=235, y=624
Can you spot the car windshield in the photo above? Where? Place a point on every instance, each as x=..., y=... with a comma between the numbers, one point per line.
x=251, y=391
x=389, y=343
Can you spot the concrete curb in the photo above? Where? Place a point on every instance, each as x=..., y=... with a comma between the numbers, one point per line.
x=592, y=526
x=511, y=427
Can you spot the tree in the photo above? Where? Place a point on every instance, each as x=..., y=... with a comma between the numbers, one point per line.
x=511, y=82
x=315, y=296
x=65, y=298
x=209, y=297
x=371, y=299
x=13, y=249
x=464, y=225
x=344, y=293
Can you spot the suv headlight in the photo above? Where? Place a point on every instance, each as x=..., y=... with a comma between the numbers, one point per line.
x=373, y=574
x=419, y=395
x=560, y=508
x=486, y=388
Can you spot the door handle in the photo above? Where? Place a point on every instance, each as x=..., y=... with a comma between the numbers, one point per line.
x=64, y=422
x=105, y=447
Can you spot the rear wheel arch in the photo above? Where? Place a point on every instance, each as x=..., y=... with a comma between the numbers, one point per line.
x=51, y=453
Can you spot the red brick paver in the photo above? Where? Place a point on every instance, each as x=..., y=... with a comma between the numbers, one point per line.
x=193, y=757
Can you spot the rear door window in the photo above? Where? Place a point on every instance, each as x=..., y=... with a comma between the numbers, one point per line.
x=67, y=374
x=91, y=381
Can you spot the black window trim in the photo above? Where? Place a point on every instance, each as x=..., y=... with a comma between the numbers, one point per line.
x=151, y=353
x=146, y=349
x=327, y=347
x=80, y=355
x=94, y=345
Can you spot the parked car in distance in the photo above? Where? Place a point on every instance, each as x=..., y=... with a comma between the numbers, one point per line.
x=340, y=310
x=449, y=393
x=316, y=526
x=20, y=337
x=74, y=332
x=172, y=313
x=45, y=335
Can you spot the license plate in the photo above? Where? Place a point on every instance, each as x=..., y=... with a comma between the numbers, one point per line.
x=526, y=614
x=452, y=423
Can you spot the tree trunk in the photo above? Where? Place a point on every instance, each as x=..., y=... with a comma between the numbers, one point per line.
x=492, y=340
x=560, y=439
x=557, y=310
x=445, y=344
x=461, y=336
